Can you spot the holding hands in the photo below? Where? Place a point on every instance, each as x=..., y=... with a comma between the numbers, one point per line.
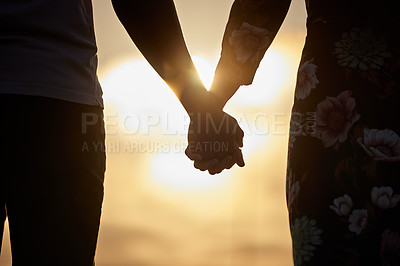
x=214, y=138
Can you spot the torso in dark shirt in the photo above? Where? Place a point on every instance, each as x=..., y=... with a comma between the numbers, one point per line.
x=48, y=48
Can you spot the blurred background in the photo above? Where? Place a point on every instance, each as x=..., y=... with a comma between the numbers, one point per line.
x=160, y=211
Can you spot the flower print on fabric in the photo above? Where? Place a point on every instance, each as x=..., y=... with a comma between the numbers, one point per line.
x=248, y=42
x=358, y=220
x=297, y=127
x=383, y=197
x=293, y=189
x=306, y=237
x=306, y=79
x=360, y=49
x=390, y=248
x=381, y=145
x=334, y=118
x=342, y=205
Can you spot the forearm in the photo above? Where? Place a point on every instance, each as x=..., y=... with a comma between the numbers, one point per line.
x=251, y=28
x=223, y=87
x=154, y=27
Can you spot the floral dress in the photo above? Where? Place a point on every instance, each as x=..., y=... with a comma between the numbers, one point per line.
x=343, y=173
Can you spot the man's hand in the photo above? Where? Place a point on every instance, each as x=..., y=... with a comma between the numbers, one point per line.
x=214, y=141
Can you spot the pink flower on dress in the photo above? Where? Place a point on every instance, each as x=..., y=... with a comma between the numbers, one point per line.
x=390, y=248
x=358, y=221
x=383, y=197
x=342, y=205
x=248, y=42
x=306, y=79
x=334, y=118
x=383, y=145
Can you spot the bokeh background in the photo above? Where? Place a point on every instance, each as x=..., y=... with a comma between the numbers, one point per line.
x=158, y=210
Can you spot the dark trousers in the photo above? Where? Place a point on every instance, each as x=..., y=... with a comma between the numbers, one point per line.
x=52, y=164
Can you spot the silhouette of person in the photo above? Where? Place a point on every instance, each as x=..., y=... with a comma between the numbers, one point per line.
x=52, y=157
x=343, y=186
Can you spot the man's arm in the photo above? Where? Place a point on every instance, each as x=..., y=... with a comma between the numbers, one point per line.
x=154, y=27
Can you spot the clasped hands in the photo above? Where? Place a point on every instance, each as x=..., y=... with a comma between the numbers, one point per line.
x=214, y=140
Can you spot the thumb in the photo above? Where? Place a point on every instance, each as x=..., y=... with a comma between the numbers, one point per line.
x=239, y=137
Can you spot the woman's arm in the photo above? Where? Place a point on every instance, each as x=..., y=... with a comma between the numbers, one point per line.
x=251, y=28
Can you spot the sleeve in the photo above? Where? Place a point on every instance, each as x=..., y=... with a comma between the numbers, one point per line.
x=250, y=30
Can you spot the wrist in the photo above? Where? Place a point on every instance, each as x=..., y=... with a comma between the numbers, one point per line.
x=223, y=87
x=197, y=101
x=217, y=100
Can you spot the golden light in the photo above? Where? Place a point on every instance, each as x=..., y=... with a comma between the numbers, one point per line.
x=206, y=69
x=185, y=177
x=146, y=111
x=135, y=88
x=135, y=85
x=272, y=75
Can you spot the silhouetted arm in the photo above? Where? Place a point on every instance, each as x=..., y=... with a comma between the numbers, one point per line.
x=251, y=28
x=154, y=27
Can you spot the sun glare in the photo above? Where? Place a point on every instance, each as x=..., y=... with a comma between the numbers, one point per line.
x=136, y=86
x=186, y=177
x=271, y=77
x=206, y=70
x=142, y=103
